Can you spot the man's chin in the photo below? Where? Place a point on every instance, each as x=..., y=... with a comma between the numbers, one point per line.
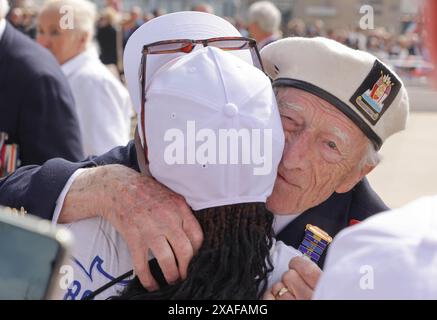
x=276, y=206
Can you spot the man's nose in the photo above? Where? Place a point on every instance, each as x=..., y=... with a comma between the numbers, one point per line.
x=297, y=151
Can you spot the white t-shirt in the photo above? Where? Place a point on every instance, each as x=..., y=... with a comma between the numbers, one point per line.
x=99, y=254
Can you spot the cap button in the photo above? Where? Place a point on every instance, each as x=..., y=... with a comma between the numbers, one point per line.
x=230, y=110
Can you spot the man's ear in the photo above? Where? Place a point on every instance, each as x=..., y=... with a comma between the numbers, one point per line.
x=353, y=178
x=83, y=39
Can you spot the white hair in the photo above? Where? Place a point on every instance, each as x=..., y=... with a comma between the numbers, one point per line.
x=4, y=8
x=371, y=157
x=266, y=16
x=84, y=13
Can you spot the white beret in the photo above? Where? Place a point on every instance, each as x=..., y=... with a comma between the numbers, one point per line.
x=355, y=82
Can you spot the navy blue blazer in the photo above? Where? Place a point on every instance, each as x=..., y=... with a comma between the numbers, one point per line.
x=36, y=188
x=36, y=104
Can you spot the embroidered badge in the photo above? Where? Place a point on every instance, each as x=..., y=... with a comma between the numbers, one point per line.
x=376, y=93
x=314, y=243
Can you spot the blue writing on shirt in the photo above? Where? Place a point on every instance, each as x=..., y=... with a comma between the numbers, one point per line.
x=76, y=290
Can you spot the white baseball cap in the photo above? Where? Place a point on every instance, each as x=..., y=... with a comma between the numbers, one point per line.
x=173, y=26
x=193, y=102
x=353, y=81
x=392, y=255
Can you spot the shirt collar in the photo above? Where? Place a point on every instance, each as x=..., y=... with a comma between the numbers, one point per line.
x=2, y=27
x=266, y=41
x=281, y=221
x=76, y=62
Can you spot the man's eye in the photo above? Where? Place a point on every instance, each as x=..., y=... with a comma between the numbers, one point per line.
x=290, y=122
x=332, y=145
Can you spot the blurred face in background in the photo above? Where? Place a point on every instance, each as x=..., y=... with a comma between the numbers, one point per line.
x=64, y=43
x=431, y=32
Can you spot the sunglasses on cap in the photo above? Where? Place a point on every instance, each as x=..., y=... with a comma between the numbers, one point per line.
x=187, y=46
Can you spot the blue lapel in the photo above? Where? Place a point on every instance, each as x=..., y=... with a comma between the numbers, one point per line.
x=331, y=216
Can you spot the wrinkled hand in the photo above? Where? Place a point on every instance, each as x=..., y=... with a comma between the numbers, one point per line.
x=148, y=216
x=299, y=281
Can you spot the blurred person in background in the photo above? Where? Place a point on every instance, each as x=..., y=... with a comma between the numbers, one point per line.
x=134, y=21
x=404, y=45
x=264, y=23
x=29, y=23
x=16, y=18
x=296, y=28
x=37, y=115
x=102, y=102
x=431, y=32
x=203, y=7
x=241, y=27
x=147, y=16
x=158, y=12
x=317, y=29
x=109, y=39
x=117, y=5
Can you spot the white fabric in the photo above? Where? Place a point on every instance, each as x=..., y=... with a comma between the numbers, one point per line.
x=280, y=255
x=390, y=256
x=103, y=105
x=205, y=88
x=99, y=254
x=178, y=25
x=335, y=68
x=63, y=194
x=281, y=221
x=2, y=27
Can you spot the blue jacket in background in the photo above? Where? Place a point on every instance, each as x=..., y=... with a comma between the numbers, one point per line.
x=36, y=104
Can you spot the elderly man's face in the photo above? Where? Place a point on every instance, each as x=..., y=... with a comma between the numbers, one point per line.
x=322, y=154
x=65, y=43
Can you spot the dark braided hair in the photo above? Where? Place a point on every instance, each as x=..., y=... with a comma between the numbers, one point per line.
x=233, y=262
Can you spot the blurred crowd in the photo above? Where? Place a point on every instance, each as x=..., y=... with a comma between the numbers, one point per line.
x=405, y=51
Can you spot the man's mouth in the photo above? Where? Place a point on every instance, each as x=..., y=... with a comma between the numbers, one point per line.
x=280, y=176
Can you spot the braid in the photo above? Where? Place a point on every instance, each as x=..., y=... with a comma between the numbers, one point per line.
x=233, y=262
